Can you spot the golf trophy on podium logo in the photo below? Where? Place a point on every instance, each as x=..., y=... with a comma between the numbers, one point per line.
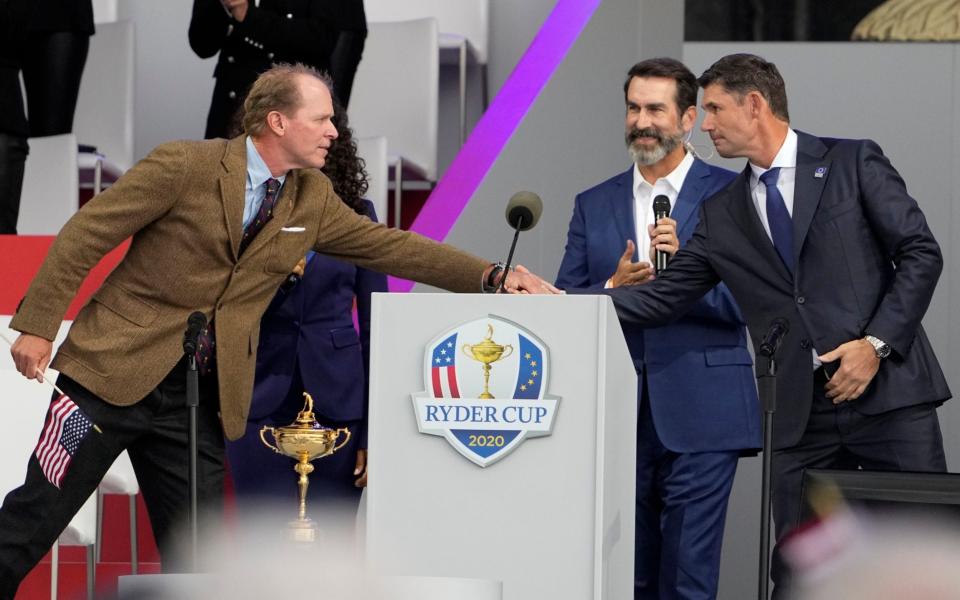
x=487, y=352
x=304, y=440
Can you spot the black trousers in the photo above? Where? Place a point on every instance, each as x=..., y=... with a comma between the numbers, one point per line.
x=840, y=437
x=154, y=432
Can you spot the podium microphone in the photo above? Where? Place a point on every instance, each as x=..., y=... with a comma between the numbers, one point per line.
x=523, y=212
x=775, y=334
x=661, y=210
x=195, y=324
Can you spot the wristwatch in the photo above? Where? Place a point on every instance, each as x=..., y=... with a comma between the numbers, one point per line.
x=491, y=282
x=882, y=348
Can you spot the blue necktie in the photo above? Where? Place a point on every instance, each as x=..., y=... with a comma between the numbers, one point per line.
x=781, y=225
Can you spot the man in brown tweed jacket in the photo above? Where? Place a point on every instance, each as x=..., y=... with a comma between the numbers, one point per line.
x=186, y=206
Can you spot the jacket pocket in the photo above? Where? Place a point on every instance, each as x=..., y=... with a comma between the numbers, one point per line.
x=344, y=337
x=285, y=250
x=727, y=355
x=126, y=305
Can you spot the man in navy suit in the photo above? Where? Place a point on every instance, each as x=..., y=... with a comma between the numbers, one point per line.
x=697, y=406
x=820, y=232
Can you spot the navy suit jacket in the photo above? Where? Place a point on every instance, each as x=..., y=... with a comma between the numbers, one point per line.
x=865, y=262
x=312, y=325
x=701, y=387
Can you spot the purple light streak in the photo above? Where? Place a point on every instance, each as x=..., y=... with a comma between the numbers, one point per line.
x=454, y=190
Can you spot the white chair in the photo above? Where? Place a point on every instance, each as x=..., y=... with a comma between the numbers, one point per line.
x=464, y=27
x=81, y=531
x=24, y=407
x=400, y=101
x=50, y=185
x=104, y=115
x=120, y=479
x=373, y=151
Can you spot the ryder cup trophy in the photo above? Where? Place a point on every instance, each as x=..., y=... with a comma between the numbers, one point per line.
x=487, y=352
x=304, y=440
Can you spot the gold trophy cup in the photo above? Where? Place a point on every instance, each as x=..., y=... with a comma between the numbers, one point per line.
x=304, y=440
x=487, y=352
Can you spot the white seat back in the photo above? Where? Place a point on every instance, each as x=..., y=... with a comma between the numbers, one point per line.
x=50, y=193
x=120, y=479
x=104, y=11
x=399, y=100
x=373, y=151
x=466, y=18
x=104, y=116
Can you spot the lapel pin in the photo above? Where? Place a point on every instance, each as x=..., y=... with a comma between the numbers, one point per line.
x=820, y=172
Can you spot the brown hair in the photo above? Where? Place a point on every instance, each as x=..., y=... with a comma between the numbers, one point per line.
x=740, y=74
x=667, y=68
x=276, y=90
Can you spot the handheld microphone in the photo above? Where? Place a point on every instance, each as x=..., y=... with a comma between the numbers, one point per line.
x=523, y=212
x=775, y=334
x=195, y=324
x=661, y=210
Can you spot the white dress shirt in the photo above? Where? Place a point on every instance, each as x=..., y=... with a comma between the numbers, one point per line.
x=643, y=195
x=786, y=159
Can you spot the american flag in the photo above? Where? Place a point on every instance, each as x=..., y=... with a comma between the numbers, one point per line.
x=443, y=368
x=66, y=427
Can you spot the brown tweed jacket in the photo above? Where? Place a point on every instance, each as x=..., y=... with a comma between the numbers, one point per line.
x=183, y=206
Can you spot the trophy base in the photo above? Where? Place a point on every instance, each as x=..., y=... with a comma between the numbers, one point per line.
x=302, y=531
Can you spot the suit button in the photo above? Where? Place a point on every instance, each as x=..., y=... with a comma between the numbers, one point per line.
x=270, y=55
x=801, y=299
x=805, y=344
x=289, y=15
x=229, y=59
x=232, y=95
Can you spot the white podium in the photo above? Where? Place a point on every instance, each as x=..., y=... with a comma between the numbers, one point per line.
x=533, y=487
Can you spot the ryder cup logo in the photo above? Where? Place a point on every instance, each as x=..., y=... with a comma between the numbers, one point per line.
x=486, y=386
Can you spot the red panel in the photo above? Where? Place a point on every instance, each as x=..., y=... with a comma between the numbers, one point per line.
x=20, y=259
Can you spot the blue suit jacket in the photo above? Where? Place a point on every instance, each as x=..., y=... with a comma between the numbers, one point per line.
x=699, y=377
x=312, y=325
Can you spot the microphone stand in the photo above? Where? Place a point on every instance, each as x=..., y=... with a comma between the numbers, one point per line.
x=767, y=388
x=193, y=402
x=513, y=246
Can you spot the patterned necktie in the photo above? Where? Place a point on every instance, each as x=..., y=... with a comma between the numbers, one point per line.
x=207, y=341
x=781, y=225
x=263, y=215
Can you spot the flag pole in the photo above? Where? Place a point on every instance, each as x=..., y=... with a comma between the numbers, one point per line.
x=42, y=375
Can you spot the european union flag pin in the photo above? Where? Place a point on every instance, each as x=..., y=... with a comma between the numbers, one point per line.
x=820, y=172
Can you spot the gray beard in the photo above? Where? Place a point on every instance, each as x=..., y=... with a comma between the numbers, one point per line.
x=644, y=158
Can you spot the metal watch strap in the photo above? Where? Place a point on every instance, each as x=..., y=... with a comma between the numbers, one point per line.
x=489, y=284
x=879, y=346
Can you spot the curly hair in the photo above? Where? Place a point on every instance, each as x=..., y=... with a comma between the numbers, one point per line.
x=346, y=170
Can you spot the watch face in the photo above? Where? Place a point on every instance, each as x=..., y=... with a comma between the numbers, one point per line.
x=883, y=351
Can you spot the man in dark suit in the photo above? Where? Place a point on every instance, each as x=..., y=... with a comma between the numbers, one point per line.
x=253, y=35
x=216, y=226
x=697, y=401
x=820, y=232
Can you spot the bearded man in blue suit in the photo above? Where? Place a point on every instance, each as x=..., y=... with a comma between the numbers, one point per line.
x=697, y=401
